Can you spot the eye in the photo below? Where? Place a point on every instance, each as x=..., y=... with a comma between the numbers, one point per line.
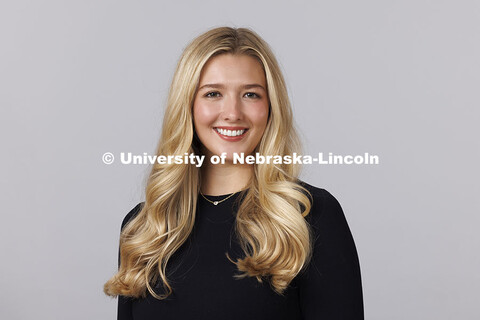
x=212, y=94
x=252, y=95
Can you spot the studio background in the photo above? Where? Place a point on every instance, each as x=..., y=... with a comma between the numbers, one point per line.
x=399, y=79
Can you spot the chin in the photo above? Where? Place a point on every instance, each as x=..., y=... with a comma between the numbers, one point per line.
x=230, y=154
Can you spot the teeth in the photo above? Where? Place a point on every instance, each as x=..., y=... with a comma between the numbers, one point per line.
x=230, y=133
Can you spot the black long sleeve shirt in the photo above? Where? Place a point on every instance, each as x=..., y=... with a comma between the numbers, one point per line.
x=204, y=286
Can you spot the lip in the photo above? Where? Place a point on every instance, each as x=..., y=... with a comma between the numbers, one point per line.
x=228, y=138
x=231, y=128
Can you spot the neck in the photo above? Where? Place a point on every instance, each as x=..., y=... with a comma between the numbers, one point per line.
x=226, y=178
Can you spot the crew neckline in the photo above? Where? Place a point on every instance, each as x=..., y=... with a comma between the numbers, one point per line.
x=218, y=197
x=223, y=195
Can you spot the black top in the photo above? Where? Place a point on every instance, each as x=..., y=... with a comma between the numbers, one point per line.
x=204, y=286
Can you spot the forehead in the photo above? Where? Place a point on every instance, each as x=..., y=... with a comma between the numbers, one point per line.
x=233, y=69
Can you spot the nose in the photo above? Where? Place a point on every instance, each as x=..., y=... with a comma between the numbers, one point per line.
x=232, y=109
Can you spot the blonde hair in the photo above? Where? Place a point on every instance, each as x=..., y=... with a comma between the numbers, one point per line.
x=270, y=223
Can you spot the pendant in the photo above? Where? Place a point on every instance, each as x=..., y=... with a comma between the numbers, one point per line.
x=215, y=203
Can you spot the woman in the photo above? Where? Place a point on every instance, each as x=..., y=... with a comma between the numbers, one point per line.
x=231, y=240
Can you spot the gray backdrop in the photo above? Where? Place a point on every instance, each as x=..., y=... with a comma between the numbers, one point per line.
x=399, y=79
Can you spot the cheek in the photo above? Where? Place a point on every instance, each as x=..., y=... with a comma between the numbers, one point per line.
x=260, y=117
x=202, y=116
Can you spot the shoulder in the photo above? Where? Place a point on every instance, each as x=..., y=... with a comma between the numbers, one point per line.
x=321, y=199
x=326, y=211
x=132, y=214
x=317, y=193
x=333, y=273
x=332, y=238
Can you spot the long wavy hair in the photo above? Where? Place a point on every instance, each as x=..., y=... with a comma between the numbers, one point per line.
x=270, y=221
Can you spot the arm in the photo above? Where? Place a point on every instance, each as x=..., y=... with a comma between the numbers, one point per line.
x=124, y=310
x=330, y=287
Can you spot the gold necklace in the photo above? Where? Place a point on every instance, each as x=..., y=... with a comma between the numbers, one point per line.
x=219, y=201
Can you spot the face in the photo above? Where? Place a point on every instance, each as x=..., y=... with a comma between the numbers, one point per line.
x=230, y=109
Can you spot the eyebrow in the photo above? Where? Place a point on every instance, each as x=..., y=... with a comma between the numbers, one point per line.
x=221, y=86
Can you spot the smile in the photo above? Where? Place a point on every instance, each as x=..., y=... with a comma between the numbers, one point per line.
x=230, y=133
